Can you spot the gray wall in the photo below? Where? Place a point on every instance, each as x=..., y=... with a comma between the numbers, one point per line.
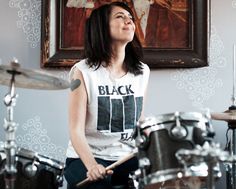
x=42, y=114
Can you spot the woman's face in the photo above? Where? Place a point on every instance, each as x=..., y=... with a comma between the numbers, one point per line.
x=122, y=27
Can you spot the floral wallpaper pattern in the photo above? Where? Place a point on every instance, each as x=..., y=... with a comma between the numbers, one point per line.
x=35, y=138
x=234, y=3
x=29, y=13
x=201, y=83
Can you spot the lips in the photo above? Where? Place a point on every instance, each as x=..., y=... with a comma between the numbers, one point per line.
x=128, y=28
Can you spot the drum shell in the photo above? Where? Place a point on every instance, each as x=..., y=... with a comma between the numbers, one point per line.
x=161, y=151
x=47, y=175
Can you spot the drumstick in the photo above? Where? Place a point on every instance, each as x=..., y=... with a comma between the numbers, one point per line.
x=112, y=166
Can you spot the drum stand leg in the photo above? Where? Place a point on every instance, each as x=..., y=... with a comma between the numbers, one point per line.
x=231, y=170
x=10, y=147
x=210, y=181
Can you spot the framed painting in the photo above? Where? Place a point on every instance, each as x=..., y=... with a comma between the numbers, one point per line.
x=173, y=35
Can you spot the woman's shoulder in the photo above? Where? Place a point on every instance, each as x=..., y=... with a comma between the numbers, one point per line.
x=81, y=64
x=79, y=67
x=145, y=67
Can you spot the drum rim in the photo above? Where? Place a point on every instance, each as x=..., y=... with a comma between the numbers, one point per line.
x=182, y=115
x=171, y=174
x=51, y=162
x=31, y=155
x=170, y=117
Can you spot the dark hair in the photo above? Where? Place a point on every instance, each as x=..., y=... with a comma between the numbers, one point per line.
x=97, y=47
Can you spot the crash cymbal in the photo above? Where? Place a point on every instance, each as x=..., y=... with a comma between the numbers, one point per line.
x=31, y=79
x=228, y=115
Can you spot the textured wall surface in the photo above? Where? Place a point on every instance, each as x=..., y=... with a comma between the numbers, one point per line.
x=42, y=114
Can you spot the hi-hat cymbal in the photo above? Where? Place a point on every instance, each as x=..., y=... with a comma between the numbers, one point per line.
x=31, y=79
x=228, y=115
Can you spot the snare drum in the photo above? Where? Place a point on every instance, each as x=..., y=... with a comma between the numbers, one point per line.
x=34, y=171
x=159, y=138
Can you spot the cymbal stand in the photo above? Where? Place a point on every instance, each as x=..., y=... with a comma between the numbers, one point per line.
x=10, y=146
x=210, y=179
x=231, y=147
x=231, y=170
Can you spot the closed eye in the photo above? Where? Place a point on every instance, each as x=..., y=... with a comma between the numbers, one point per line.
x=123, y=16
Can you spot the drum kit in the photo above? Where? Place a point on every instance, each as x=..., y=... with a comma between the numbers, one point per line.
x=175, y=150
x=21, y=168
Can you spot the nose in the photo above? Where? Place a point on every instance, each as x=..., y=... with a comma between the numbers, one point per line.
x=127, y=20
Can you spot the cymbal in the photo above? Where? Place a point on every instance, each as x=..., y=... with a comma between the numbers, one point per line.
x=228, y=115
x=31, y=79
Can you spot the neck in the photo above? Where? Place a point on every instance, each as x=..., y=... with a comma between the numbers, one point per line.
x=116, y=66
x=118, y=56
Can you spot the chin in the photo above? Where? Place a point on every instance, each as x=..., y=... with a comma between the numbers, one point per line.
x=130, y=38
x=125, y=40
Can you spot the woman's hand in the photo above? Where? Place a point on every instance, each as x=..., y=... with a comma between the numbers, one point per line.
x=98, y=171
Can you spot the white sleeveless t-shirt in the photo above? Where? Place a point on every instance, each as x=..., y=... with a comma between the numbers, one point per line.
x=113, y=109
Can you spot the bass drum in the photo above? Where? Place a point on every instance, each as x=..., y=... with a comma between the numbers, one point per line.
x=34, y=171
x=159, y=138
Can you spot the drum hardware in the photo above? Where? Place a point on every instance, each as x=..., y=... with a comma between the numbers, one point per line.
x=132, y=183
x=34, y=171
x=231, y=147
x=231, y=170
x=210, y=129
x=30, y=169
x=158, y=166
x=14, y=76
x=144, y=164
x=210, y=153
x=230, y=117
x=10, y=128
x=52, y=165
x=141, y=141
x=178, y=131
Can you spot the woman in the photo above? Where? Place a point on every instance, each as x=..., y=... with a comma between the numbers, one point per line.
x=106, y=99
